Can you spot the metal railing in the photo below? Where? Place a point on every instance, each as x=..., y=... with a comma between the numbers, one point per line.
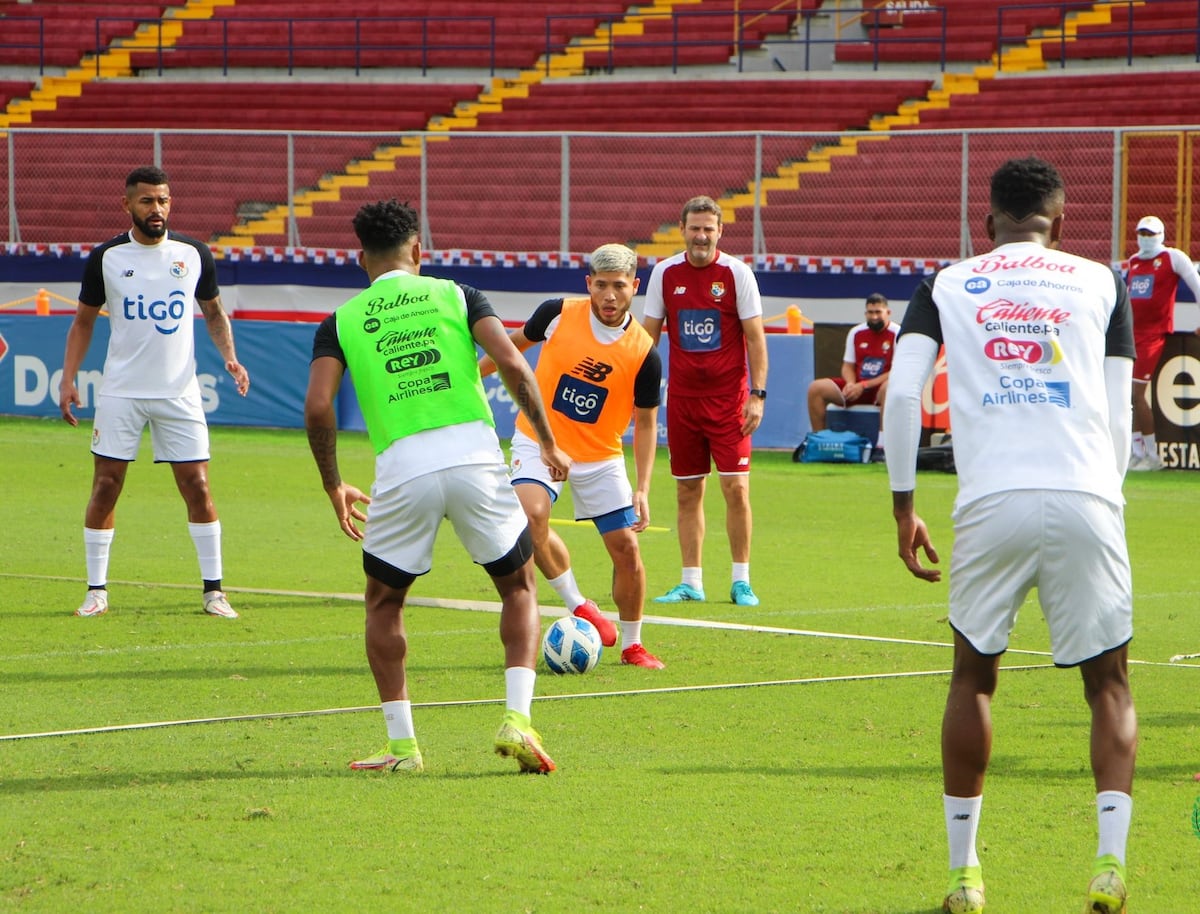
x=911, y=194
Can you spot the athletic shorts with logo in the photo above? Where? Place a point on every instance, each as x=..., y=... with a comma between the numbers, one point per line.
x=178, y=429
x=403, y=521
x=706, y=431
x=597, y=489
x=1069, y=545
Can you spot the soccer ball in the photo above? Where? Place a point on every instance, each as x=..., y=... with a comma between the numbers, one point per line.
x=571, y=645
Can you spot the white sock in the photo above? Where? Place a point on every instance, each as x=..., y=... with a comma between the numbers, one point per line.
x=96, y=545
x=741, y=572
x=631, y=633
x=962, y=826
x=398, y=716
x=518, y=689
x=207, y=538
x=1151, y=445
x=1138, y=445
x=693, y=577
x=1114, y=809
x=568, y=591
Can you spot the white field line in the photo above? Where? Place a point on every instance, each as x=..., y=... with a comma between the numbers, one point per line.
x=666, y=690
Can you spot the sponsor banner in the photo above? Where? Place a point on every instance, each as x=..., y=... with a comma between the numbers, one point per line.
x=277, y=353
x=1175, y=390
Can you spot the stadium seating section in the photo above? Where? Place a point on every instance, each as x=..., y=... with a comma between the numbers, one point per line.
x=623, y=185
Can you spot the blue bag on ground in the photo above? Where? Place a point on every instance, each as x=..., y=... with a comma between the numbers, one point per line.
x=832, y=447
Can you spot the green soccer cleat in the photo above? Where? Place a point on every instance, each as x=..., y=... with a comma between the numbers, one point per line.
x=682, y=593
x=517, y=739
x=397, y=755
x=965, y=894
x=1106, y=891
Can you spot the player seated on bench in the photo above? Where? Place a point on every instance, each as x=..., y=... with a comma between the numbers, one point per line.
x=865, y=366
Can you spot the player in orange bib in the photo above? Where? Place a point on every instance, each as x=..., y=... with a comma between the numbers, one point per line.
x=597, y=368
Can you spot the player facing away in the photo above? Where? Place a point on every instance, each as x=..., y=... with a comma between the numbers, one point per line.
x=597, y=367
x=1153, y=275
x=709, y=305
x=436, y=456
x=149, y=277
x=1041, y=446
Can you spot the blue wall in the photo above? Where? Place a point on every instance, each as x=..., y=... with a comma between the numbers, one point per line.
x=277, y=354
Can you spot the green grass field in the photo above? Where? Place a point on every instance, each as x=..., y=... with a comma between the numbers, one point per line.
x=773, y=771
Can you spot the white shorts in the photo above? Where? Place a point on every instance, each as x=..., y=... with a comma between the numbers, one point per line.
x=597, y=488
x=178, y=429
x=402, y=522
x=1069, y=545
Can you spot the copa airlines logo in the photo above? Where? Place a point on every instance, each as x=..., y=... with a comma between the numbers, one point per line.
x=1031, y=352
x=699, y=330
x=1022, y=391
x=579, y=400
x=166, y=315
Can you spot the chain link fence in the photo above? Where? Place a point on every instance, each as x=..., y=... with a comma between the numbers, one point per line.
x=864, y=195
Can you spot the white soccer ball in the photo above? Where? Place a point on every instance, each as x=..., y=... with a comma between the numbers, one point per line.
x=571, y=645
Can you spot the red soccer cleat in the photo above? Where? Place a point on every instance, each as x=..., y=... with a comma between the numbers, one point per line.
x=636, y=655
x=590, y=612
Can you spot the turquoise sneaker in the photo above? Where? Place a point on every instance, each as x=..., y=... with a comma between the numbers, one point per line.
x=517, y=739
x=397, y=755
x=681, y=593
x=742, y=595
x=965, y=894
x=1106, y=891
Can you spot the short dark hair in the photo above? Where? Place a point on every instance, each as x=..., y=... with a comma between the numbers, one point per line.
x=385, y=225
x=146, y=174
x=1023, y=187
x=876, y=298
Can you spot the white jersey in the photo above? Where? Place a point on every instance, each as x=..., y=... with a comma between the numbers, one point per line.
x=1027, y=330
x=150, y=292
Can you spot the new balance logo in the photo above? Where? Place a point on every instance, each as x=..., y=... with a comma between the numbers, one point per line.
x=592, y=370
x=1108, y=809
x=962, y=817
x=128, y=273
x=680, y=290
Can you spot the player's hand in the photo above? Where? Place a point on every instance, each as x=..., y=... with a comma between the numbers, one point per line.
x=241, y=378
x=851, y=393
x=557, y=461
x=752, y=414
x=641, y=510
x=912, y=536
x=345, y=499
x=68, y=396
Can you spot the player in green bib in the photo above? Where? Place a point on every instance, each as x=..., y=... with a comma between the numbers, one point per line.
x=408, y=343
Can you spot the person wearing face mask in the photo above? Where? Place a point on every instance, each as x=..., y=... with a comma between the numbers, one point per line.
x=866, y=364
x=1153, y=276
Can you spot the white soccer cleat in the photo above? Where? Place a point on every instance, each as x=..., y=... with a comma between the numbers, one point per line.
x=94, y=604
x=217, y=604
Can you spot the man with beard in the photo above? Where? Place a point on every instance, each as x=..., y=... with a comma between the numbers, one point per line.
x=149, y=277
x=865, y=367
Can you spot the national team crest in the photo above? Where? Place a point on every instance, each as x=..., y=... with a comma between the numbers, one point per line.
x=178, y=269
x=717, y=289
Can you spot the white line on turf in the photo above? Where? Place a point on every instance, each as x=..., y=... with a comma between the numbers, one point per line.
x=665, y=690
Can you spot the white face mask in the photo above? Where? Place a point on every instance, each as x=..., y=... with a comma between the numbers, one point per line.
x=1149, y=245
